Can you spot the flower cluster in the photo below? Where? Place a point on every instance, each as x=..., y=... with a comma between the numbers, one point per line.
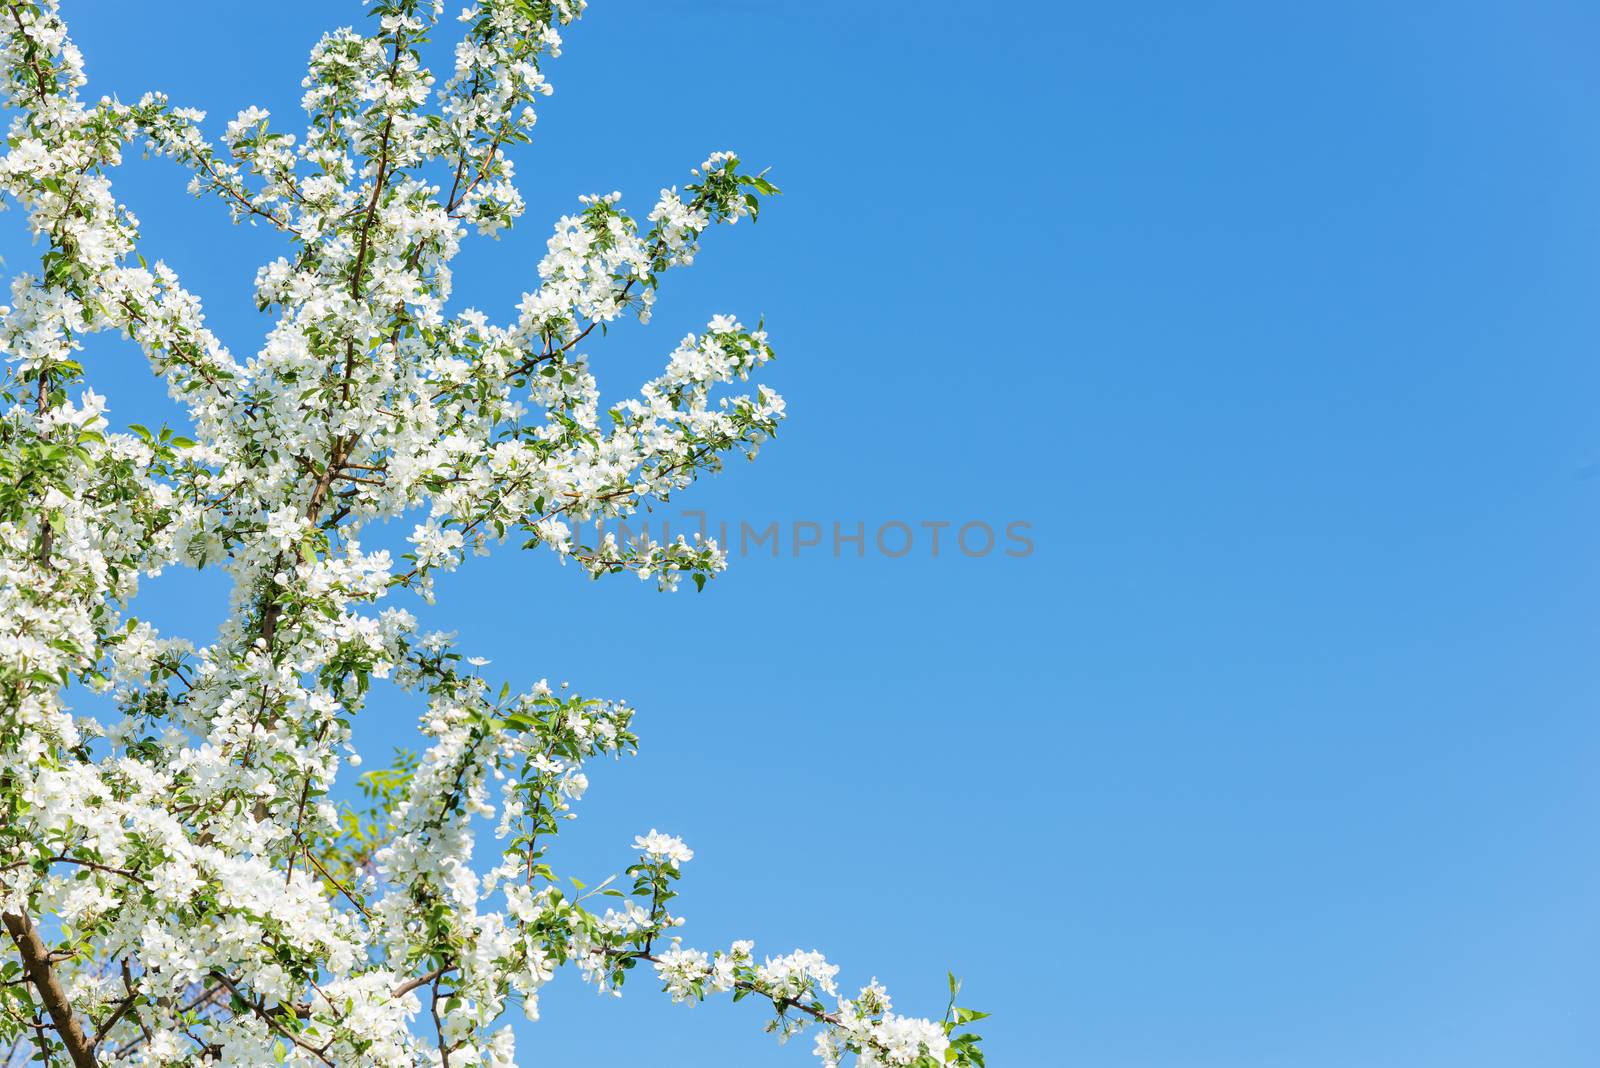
x=175, y=883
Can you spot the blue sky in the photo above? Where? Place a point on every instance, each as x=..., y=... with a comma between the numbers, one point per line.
x=1276, y=323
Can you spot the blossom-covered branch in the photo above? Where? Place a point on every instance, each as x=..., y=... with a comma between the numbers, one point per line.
x=176, y=883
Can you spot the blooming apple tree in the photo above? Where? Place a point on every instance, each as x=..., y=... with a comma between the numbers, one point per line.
x=176, y=883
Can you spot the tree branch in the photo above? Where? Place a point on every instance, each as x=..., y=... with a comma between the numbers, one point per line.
x=36, y=964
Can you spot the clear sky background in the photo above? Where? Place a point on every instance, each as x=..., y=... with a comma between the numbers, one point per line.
x=1279, y=327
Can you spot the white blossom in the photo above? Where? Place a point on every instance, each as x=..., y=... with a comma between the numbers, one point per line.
x=178, y=868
